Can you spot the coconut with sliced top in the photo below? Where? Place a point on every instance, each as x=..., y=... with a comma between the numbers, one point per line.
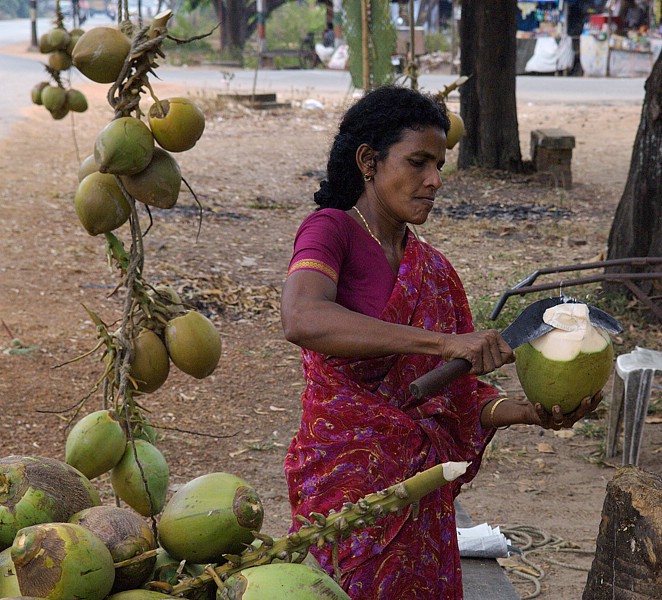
x=568, y=363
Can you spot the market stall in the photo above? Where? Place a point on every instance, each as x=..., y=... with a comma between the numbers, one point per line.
x=609, y=47
x=614, y=38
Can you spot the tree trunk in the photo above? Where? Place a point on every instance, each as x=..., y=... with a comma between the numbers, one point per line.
x=238, y=22
x=488, y=53
x=629, y=545
x=637, y=226
x=236, y=18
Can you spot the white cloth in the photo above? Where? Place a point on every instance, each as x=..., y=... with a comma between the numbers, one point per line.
x=339, y=58
x=544, y=56
x=324, y=52
x=550, y=56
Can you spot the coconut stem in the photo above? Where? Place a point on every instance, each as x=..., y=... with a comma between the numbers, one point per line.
x=136, y=559
x=319, y=529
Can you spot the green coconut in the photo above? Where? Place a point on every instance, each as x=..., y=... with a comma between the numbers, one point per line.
x=124, y=147
x=74, y=36
x=568, y=363
x=76, y=100
x=87, y=167
x=138, y=595
x=159, y=183
x=281, y=580
x=209, y=516
x=60, y=113
x=36, y=92
x=144, y=496
x=62, y=561
x=59, y=60
x=142, y=429
x=96, y=443
x=150, y=365
x=177, y=123
x=194, y=344
x=54, y=39
x=126, y=535
x=100, y=204
x=99, y=53
x=53, y=97
x=8, y=579
x=456, y=130
x=167, y=301
x=35, y=489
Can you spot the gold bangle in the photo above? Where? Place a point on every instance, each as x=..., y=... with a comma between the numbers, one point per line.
x=499, y=401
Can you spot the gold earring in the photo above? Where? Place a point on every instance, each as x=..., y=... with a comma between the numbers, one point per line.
x=367, y=177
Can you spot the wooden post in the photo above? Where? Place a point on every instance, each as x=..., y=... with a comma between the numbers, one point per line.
x=629, y=545
x=261, y=26
x=221, y=41
x=454, y=35
x=34, y=40
x=412, y=67
x=365, y=21
x=337, y=20
x=412, y=31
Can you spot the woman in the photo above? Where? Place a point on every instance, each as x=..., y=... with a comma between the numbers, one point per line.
x=373, y=308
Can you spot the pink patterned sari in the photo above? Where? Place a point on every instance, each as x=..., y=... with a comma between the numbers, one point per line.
x=360, y=433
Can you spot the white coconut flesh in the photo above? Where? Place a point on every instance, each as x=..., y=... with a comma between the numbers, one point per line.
x=568, y=363
x=573, y=333
x=452, y=470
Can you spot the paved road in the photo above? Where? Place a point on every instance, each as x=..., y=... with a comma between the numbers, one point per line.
x=19, y=73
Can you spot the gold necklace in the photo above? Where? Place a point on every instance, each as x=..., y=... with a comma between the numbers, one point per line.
x=372, y=235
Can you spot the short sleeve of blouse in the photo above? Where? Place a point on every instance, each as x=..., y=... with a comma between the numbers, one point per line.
x=321, y=243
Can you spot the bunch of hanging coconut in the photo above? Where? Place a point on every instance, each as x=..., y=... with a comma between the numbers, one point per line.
x=58, y=43
x=148, y=173
x=568, y=363
x=135, y=152
x=171, y=333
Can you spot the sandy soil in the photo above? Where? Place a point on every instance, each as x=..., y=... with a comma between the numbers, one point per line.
x=254, y=173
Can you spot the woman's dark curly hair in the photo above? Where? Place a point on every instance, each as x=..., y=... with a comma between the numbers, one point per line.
x=378, y=119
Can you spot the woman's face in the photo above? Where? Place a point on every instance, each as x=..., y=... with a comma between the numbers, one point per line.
x=406, y=181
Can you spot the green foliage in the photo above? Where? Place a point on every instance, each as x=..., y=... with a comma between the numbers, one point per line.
x=382, y=42
x=186, y=25
x=482, y=307
x=288, y=25
x=437, y=42
x=591, y=430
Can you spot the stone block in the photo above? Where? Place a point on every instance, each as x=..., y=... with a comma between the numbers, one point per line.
x=551, y=152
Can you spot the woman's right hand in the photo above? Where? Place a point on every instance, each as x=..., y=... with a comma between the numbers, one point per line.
x=486, y=350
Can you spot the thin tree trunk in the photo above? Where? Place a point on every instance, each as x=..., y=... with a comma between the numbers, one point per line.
x=488, y=53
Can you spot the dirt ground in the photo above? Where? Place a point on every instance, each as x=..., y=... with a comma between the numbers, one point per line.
x=254, y=173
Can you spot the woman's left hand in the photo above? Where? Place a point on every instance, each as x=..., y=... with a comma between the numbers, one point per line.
x=557, y=420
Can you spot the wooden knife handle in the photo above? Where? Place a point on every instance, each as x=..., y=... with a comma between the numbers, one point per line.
x=434, y=380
